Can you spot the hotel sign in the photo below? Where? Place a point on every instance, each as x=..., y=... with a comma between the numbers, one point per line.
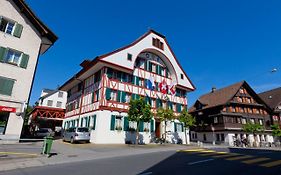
x=7, y=109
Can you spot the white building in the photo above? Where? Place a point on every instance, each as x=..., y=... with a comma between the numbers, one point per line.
x=23, y=37
x=52, y=98
x=99, y=94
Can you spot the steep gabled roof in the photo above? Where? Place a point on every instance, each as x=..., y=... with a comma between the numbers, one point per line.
x=218, y=97
x=272, y=97
x=97, y=59
x=43, y=30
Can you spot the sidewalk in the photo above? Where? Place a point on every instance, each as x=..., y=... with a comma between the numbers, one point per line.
x=67, y=153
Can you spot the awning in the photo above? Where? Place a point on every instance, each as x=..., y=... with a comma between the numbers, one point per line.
x=7, y=109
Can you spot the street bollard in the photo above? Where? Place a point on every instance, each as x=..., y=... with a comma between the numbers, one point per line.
x=47, y=145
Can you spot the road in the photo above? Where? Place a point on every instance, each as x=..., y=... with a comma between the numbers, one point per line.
x=192, y=162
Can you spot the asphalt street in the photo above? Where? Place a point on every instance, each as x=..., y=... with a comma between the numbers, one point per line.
x=221, y=161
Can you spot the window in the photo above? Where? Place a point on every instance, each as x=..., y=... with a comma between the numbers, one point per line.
x=4, y=116
x=6, y=86
x=118, y=123
x=178, y=127
x=153, y=103
x=113, y=95
x=128, y=97
x=146, y=126
x=129, y=57
x=132, y=125
x=60, y=94
x=13, y=57
x=250, y=110
x=50, y=103
x=182, y=76
x=243, y=120
x=59, y=104
x=252, y=121
x=157, y=43
x=10, y=27
x=215, y=119
x=238, y=120
x=261, y=121
x=154, y=68
x=241, y=91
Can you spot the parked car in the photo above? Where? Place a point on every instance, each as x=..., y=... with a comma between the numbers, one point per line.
x=43, y=132
x=76, y=134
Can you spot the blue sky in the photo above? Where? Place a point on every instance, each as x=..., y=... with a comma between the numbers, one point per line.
x=217, y=42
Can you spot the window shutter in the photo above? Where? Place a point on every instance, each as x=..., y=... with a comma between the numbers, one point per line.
x=126, y=124
x=112, y=124
x=145, y=65
x=157, y=69
x=6, y=86
x=107, y=94
x=3, y=52
x=24, y=60
x=151, y=125
x=123, y=97
x=141, y=126
x=137, y=81
x=133, y=79
x=137, y=96
x=178, y=107
x=93, y=97
x=89, y=119
x=133, y=96
x=94, y=122
x=98, y=93
x=150, y=66
x=119, y=96
x=175, y=125
x=181, y=127
x=18, y=30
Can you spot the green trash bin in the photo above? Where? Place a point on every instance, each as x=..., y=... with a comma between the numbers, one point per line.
x=47, y=145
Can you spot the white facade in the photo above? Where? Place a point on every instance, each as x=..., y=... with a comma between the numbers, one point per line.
x=99, y=100
x=228, y=138
x=53, y=99
x=29, y=44
x=102, y=134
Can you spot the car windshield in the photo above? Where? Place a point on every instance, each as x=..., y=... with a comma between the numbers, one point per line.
x=82, y=130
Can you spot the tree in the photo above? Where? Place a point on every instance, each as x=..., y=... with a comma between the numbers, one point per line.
x=253, y=129
x=165, y=115
x=138, y=112
x=26, y=114
x=188, y=120
x=276, y=131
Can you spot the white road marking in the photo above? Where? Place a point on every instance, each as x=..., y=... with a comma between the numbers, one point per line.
x=201, y=161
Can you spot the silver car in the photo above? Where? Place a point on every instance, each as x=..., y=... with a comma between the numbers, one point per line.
x=76, y=134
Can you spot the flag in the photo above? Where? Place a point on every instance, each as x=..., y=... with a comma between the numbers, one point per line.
x=163, y=87
x=150, y=83
x=172, y=88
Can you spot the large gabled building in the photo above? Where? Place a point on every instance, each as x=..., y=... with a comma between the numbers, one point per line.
x=221, y=114
x=273, y=99
x=23, y=38
x=99, y=94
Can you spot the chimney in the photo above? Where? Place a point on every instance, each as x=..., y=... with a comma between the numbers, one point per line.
x=214, y=89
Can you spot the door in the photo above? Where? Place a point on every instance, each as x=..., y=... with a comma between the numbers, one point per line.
x=157, y=129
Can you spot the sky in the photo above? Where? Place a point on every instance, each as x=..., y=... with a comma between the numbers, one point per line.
x=217, y=42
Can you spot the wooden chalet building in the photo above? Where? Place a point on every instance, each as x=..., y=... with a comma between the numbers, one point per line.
x=99, y=94
x=273, y=99
x=220, y=115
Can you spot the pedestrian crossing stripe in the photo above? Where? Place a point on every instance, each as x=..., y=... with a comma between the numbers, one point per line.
x=226, y=155
x=255, y=160
x=191, y=150
x=239, y=157
x=271, y=164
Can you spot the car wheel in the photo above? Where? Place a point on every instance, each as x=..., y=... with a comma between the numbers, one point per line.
x=72, y=140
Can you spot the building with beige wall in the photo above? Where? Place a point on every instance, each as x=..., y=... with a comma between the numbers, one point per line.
x=23, y=37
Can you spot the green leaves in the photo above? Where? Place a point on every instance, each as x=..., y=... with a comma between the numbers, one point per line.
x=276, y=131
x=252, y=128
x=187, y=119
x=165, y=114
x=139, y=111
